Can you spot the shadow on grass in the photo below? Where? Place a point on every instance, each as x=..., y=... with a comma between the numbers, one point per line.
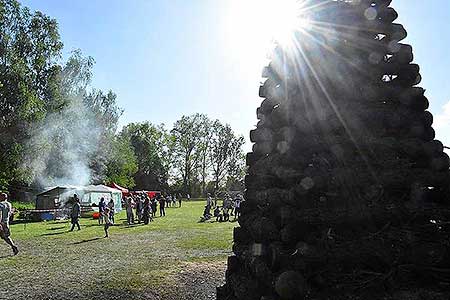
x=125, y=225
x=56, y=228
x=87, y=241
x=53, y=233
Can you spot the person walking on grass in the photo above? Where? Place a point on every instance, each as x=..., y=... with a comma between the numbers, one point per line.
x=101, y=210
x=111, y=207
x=5, y=214
x=76, y=213
x=107, y=221
x=179, y=200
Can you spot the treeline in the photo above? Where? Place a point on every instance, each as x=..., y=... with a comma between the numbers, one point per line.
x=55, y=128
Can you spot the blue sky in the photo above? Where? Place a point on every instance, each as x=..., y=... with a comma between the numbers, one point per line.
x=166, y=58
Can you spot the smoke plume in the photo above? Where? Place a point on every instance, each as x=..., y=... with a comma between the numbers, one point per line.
x=61, y=147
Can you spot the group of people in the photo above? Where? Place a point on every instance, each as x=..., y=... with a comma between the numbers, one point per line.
x=106, y=214
x=230, y=207
x=145, y=208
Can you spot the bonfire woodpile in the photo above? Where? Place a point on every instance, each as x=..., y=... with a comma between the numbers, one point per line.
x=347, y=189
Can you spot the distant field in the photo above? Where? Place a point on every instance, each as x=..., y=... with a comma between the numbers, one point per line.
x=171, y=258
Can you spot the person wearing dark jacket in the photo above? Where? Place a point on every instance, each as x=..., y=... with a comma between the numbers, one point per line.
x=76, y=213
x=162, y=206
x=101, y=210
x=146, y=211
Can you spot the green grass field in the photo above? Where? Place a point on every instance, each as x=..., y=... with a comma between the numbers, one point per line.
x=162, y=260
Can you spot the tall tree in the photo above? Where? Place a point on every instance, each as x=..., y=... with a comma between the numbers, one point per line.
x=152, y=147
x=225, y=152
x=187, y=148
x=122, y=165
x=29, y=46
x=204, y=148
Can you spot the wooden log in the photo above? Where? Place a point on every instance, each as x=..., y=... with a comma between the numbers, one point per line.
x=251, y=158
x=241, y=235
x=413, y=147
x=413, y=98
x=261, y=270
x=440, y=162
x=387, y=14
x=261, y=135
x=395, y=32
x=245, y=288
x=403, y=56
x=233, y=264
x=290, y=285
x=433, y=148
x=263, y=230
x=262, y=148
x=422, y=132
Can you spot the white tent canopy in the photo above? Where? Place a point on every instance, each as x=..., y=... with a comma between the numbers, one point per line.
x=93, y=193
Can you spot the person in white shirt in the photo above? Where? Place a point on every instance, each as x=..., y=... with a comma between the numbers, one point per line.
x=5, y=214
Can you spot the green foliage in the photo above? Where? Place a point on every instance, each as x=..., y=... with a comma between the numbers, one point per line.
x=206, y=150
x=153, y=148
x=187, y=134
x=55, y=128
x=29, y=47
x=122, y=164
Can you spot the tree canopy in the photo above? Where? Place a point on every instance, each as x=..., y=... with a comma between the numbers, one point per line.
x=56, y=128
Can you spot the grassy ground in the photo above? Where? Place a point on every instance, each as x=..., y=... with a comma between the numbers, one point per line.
x=173, y=257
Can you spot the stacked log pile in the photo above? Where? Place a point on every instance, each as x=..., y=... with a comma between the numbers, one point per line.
x=347, y=189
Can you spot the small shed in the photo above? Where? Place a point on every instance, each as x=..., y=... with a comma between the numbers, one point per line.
x=54, y=197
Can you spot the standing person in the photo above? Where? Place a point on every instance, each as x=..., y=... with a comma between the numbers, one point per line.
x=237, y=206
x=154, y=207
x=130, y=217
x=107, y=221
x=139, y=206
x=188, y=197
x=226, y=203
x=179, y=201
x=76, y=213
x=101, y=210
x=146, y=211
x=5, y=214
x=162, y=205
x=112, y=208
x=209, y=201
x=169, y=201
x=174, y=200
x=215, y=200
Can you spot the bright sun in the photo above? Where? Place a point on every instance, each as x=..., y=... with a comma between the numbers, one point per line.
x=253, y=25
x=283, y=17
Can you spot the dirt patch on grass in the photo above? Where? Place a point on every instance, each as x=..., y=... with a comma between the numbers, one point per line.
x=198, y=280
